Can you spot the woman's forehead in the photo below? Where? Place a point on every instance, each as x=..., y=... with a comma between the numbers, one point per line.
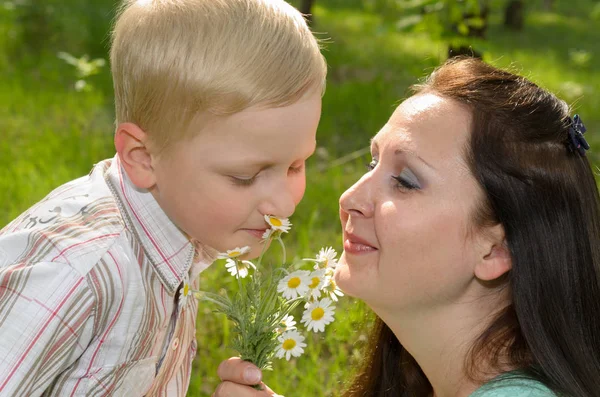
x=431, y=126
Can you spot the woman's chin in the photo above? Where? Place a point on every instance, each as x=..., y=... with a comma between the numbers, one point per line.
x=344, y=279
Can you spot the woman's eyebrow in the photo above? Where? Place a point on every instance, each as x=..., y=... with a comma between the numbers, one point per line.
x=413, y=154
x=404, y=151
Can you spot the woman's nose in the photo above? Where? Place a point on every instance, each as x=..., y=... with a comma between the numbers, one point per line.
x=357, y=200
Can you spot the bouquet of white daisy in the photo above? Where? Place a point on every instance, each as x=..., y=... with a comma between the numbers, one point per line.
x=262, y=308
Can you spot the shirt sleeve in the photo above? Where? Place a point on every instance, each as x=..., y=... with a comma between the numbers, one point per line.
x=514, y=388
x=46, y=322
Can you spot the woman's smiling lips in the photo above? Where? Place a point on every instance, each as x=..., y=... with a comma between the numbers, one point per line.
x=357, y=245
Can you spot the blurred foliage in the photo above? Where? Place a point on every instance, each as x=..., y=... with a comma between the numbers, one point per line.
x=84, y=67
x=51, y=133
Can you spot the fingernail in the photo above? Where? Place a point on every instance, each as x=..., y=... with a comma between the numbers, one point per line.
x=252, y=375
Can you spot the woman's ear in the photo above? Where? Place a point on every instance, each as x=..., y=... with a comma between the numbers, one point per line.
x=494, y=259
x=130, y=143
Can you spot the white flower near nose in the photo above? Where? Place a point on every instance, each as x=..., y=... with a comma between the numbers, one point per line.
x=294, y=284
x=234, y=253
x=318, y=315
x=282, y=225
x=237, y=268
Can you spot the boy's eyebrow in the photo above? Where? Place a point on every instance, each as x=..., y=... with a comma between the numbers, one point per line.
x=263, y=165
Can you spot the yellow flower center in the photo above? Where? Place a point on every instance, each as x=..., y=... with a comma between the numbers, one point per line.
x=233, y=254
x=315, y=282
x=275, y=222
x=186, y=289
x=331, y=286
x=289, y=344
x=294, y=282
x=317, y=314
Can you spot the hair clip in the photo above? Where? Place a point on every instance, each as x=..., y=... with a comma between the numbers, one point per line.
x=576, y=141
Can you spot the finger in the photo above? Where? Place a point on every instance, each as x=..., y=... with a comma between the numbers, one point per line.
x=239, y=371
x=231, y=389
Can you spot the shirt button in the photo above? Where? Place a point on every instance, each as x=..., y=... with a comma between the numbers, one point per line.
x=175, y=344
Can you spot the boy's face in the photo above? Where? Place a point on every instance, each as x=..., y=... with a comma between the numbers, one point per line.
x=218, y=186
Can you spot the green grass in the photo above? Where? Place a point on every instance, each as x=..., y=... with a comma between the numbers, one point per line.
x=49, y=133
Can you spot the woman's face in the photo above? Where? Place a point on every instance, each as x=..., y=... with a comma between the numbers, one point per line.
x=408, y=241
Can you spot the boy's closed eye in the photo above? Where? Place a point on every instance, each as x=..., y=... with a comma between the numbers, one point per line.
x=241, y=180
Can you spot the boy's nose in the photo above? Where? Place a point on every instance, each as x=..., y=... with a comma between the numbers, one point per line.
x=281, y=204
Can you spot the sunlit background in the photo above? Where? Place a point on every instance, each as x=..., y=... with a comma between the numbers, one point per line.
x=56, y=119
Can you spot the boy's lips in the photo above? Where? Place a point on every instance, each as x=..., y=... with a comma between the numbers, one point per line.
x=256, y=232
x=356, y=245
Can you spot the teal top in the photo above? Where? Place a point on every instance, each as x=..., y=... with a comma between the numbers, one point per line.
x=513, y=384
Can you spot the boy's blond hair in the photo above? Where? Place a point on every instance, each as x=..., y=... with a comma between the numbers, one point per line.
x=175, y=60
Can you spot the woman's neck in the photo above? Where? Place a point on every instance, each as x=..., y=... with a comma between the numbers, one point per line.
x=440, y=339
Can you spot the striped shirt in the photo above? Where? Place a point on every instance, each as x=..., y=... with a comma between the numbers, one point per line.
x=90, y=281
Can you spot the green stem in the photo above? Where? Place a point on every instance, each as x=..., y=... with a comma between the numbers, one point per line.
x=283, y=248
x=264, y=249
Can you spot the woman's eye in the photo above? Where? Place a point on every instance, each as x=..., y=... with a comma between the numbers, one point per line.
x=371, y=165
x=407, y=180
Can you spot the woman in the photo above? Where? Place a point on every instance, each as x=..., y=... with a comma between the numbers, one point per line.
x=474, y=237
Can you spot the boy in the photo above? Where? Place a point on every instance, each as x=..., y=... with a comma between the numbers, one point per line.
x=217, y=105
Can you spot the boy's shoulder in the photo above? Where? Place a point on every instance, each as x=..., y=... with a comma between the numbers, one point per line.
x=75, y=224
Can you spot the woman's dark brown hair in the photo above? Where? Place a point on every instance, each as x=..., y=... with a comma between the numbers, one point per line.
x=545, y=197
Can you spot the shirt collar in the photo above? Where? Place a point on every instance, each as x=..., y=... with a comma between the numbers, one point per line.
x=168, y=248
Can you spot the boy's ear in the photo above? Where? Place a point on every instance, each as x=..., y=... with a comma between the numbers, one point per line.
x=131, y=145
x=494, y=260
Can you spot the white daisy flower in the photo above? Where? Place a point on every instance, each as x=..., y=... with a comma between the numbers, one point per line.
x=238, y=268
x=287, y=324
x=326, y=259
x=294, y=284
x=267, y=234
x=282, y=225
x=330, y=288
x=309, y=300
x=234, y=253
x=185, y=291
x=291, y=344
x=317, y=282
x=318, y=315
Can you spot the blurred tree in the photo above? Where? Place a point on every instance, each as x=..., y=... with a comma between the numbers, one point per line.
x=455, y=21
x=548, y=5
x=75, y=26
x=514, y=15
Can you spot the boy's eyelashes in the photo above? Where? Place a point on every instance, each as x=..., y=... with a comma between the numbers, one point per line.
x=243, y=181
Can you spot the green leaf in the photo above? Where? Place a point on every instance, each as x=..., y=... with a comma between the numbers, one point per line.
x=463, y=29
